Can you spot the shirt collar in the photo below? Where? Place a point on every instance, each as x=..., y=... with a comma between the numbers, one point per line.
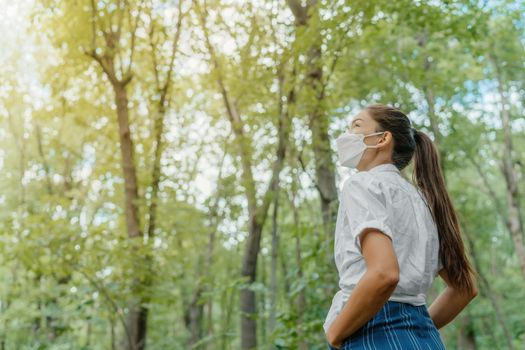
x=384, y=167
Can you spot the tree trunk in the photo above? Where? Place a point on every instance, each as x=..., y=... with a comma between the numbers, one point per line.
x=318, y=124
x=137, y=316
x=263, y=325
x=514, y=220
x=214, y=218
x=486, y=290
x=247, y=295
x=52, y=323
x=127, y=161
x=273, y=268
x=257, y=213
x=284, y=266
x=301, y=297
x=430, y=99
x=193, y=317
x=120, y=76
x=467, y=339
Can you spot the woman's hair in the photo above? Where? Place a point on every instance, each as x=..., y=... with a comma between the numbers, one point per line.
x=428, y=176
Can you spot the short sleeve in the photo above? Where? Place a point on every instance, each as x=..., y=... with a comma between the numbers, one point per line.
x=366, y=206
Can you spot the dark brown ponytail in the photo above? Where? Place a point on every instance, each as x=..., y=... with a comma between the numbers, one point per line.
x=428, y=177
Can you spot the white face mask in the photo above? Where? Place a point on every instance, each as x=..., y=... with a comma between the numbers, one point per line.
x=350, y=148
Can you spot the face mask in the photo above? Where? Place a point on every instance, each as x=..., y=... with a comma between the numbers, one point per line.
x=350, y=148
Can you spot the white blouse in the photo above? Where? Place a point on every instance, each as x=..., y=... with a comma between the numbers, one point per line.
x=382, y=198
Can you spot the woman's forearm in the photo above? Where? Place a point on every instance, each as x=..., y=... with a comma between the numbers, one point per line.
x=447, y=306
x=369, y=295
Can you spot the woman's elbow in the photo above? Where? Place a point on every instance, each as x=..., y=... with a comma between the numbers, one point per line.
x=467, y=295
x=474, y=292
x=392, y=279
x=388, y=279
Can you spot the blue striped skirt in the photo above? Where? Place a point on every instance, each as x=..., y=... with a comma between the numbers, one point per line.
x=396, y=326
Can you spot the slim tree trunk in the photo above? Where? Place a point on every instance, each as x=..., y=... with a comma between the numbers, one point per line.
x=214, y=217
x=467, y=339
x=430, y=99
x=112, y=339
x=284, y=266
x=291, y=99
x=486, y=289
x=300, y=302
x=193, y=317
x=273, y=267
x=51, y=322
x=514, y=219
x=262, y=301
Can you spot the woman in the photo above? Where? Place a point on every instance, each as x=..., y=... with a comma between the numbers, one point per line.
x=393, y=238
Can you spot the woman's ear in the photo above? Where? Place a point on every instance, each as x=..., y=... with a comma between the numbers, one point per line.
x=387, y=137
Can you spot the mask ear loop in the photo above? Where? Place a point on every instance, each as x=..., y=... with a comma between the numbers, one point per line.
x=374, y=133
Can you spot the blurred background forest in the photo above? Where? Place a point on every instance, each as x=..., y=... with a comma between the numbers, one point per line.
x=168, y=169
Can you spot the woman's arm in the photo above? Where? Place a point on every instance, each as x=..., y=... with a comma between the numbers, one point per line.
x=373, y=289
x=449, y=303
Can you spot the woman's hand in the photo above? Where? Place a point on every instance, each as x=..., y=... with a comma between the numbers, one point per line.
x=449, y=303
x=373, y=289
